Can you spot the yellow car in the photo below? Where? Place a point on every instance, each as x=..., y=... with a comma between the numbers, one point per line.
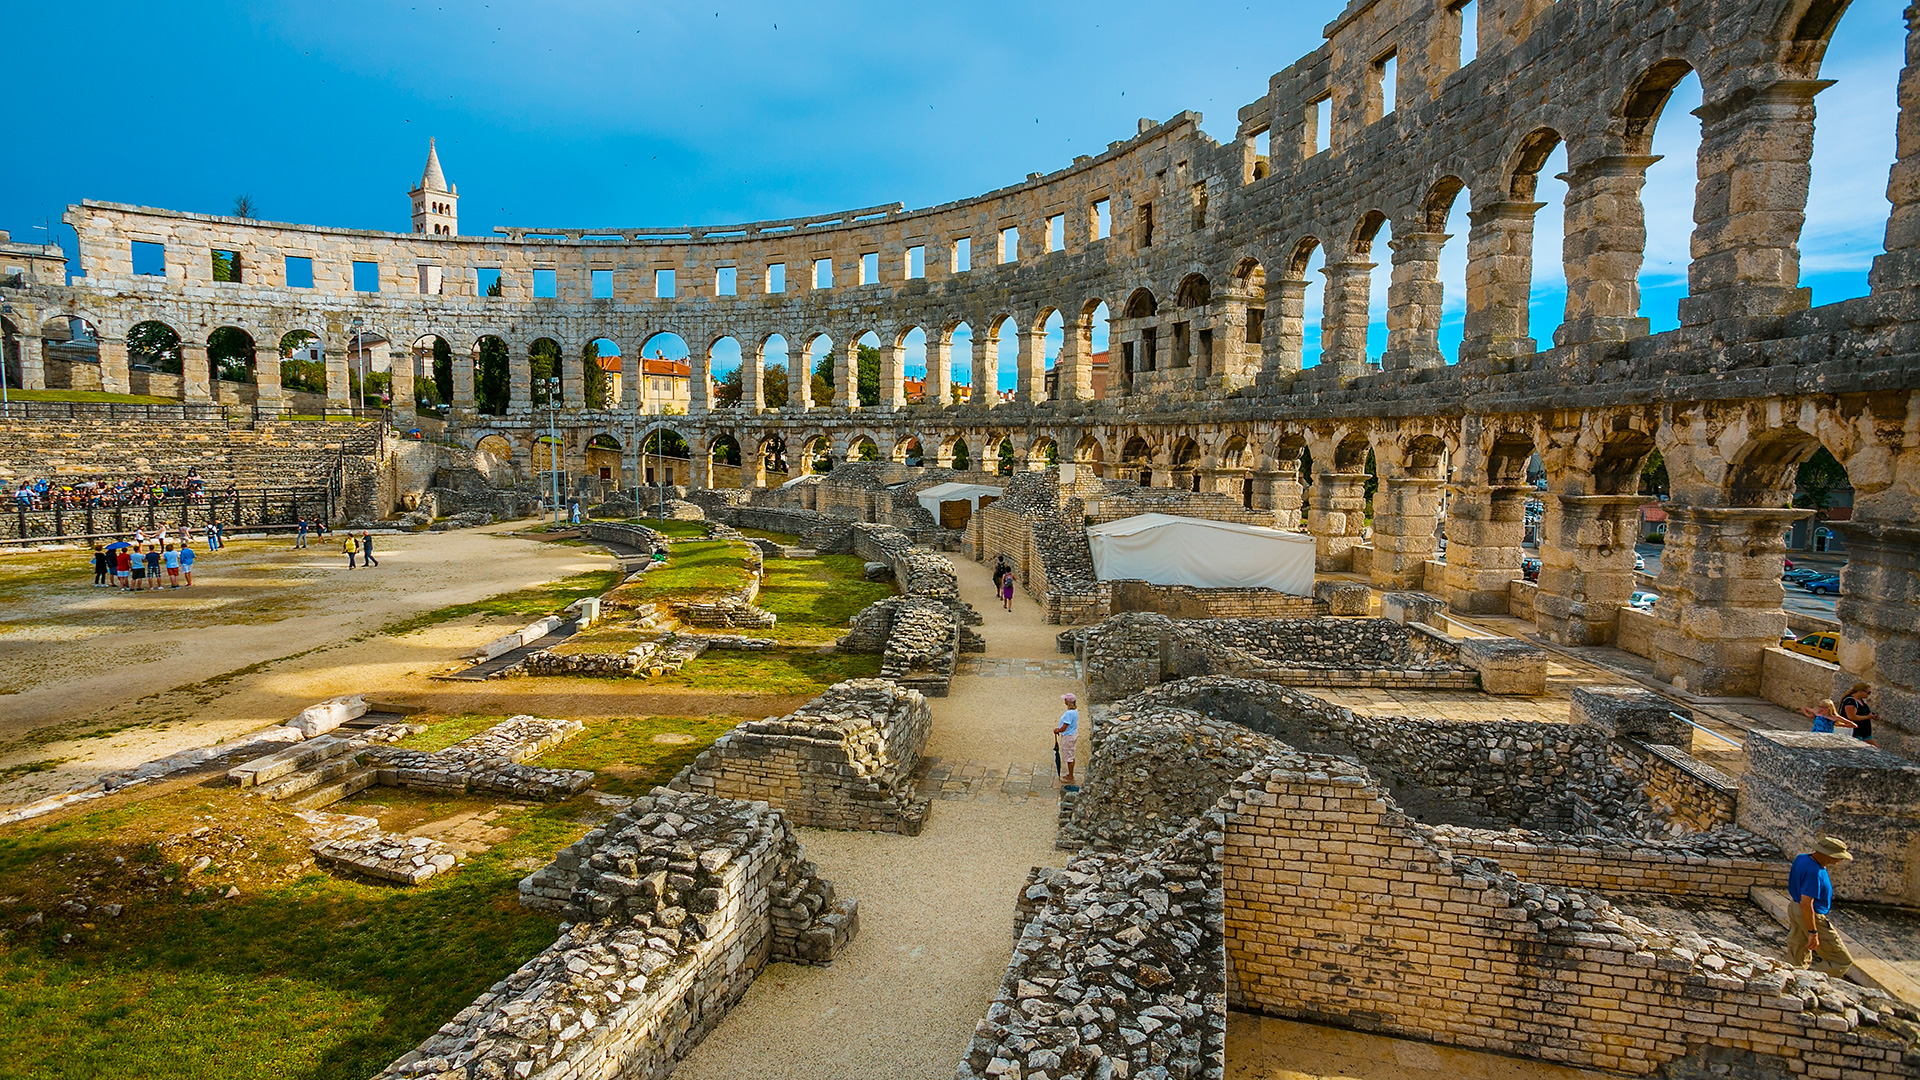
x=1820, y=646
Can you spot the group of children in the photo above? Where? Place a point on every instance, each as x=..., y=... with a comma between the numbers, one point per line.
x=146, y=564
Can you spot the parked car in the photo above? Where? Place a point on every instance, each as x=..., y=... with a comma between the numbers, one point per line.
x=1643, y=601
x=1789, y=563
x=1824, y=585
x=1820, y=645
x=1795, y=577
x=1639, y=561
x=1530, y=569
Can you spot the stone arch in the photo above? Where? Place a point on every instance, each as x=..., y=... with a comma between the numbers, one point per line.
x=1136, y=460
x=546, y=374
x=863, y=447
x=1523, y=165
x=1184, y=461
x=1089, y=452
x=1043, y=451
x=910, y=450
x=230, y=364
x=1646, y=98
x=1141, y=304
x=1439, y=200
x=1194, y=291
x=1350, y=453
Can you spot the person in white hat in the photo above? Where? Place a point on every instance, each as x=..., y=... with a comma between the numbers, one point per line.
x=1811, y=890
x=1065, y=734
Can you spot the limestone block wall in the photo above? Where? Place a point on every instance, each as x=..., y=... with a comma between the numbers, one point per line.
x=1618, y=866
x=1800, y=786
x=673, y=906
x=821, y=532
x=842, y=761
x=1333, y=902
x=1154, y=770
x=1188, y=602
x=1688, y=791
x=491, y=761
x=918, y=641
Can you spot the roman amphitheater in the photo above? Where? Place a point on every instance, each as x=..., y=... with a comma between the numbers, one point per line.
x=1450, y=804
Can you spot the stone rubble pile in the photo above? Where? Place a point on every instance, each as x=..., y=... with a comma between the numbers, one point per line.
x=408, y=860
x=844, y=760
x=1118, y=971
x=487, y=762
x=918, y=642
x=1153, y=770
x=674, y=906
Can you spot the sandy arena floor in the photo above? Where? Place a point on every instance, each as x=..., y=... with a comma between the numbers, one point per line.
x=108, y=679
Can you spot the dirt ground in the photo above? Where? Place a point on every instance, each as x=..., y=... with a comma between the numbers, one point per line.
x=97, y=679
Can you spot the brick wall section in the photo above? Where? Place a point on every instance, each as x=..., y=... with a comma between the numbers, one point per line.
x=1335, y=903
x=842, y=761
x=825, y=534
x=1687, y=790
x=674, y=906
x=1613, y=866
x=1188, y=602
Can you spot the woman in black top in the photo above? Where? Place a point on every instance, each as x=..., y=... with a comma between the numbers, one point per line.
x=1858, y=709
x=101, y=567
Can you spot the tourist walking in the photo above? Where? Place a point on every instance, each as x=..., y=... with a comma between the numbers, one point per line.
x=1811, y=890
x=1825, y=716
x=1000, y=570
x=366, y=549
x=153, y=566
x=186, y=565
x=1006, y=591
x=350, y=548
x=216, y=537
x=1857, y=708
x=172, y=558
x=102, y=567
x=1066, y=735
x=300, y=539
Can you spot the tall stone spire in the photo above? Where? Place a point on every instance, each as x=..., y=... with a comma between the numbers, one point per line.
x=436, y=203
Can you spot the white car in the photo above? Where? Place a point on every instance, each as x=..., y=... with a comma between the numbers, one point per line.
x=1643, y=601
x=1639, y=561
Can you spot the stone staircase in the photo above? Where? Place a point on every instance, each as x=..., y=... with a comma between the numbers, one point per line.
x=292, y=453
x=318, y=772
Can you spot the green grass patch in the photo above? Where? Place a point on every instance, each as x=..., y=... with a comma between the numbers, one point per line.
x=531, y=602
x=444, y=732
x=692, y=568
x=605, y=637
x=796, y=673
x=28, y=768
x=632, y=756
x=89, y=395
x=679, y=530
x=783, y=539
x=815, y=598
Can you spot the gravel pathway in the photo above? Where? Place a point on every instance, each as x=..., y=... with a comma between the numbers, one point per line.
x=936, y=910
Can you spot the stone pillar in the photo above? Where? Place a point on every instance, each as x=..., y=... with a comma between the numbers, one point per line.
x=753, y=466
x=33, y=362
x=698, y=384
x=1499, y=286
x=1287, y=328
x=573, y=379
x=753, y=372
x=195, y=384
x=1606, y=236
x=1749, y=206
x=519, y=380
x=333, y=354
x=1336, y=515
x=1073, y=373
x=939, y=370
x=1280, y=492
x=1413, y=303
x=402, y=390
x=799, y=386
x=1720, y=595
x=893, y=377
x=1406, y=515
x=982, y=391
x=846, y=375
x=700, y=465
x=1900, y=266
x=633, y=392
x=462, y=403
x=1586, y=566
x=1343, y=325
x=1030, y=382
x=1879, y=637
x=1485, y=524
x=114, y=378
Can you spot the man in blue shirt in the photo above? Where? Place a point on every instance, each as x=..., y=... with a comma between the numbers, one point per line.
x=1811, y=891
x=1066, y=734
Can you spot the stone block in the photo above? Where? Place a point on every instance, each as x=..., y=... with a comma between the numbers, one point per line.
x=323, y=717
x=1412, y=607
x=1344, y=597
x=1630, y=712
x=1800, y=786
x=1506, y=665
x=1791, y=680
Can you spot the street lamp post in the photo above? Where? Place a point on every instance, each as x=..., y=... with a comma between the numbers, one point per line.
x=553, y=440
x=359, y=362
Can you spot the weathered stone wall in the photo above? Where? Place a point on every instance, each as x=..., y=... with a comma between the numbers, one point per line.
x=488, y=762
x=844, y=760
x=1152, y=771
x=918, y=641
x=1188, y=602
x=673, y=907
x=1334, y=901
x=1800, y=786
x=1620, y=866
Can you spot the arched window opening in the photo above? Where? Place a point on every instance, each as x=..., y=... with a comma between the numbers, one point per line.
x=913, y=365
x=666, y=378
x=600, y=376
x=867, y=377
x=725, y=367
x=1053, y=339
x=492, y=376
x=1003, y=360
x=960, y=348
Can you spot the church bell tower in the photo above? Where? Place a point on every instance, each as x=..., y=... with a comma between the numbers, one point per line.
x=436, y=204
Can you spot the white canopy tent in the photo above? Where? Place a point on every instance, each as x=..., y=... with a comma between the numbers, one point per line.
x=932, y=497
x=1168, y=550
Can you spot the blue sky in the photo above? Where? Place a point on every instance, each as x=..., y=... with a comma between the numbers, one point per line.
x=570, y=113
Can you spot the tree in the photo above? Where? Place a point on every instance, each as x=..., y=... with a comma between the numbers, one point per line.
x=543, y=357
x=1653, y=475
x=1006, y=457
x=598, y=387
x=230, y=351
x=1818, y=478
x=155, y=345
x=726, y=388
x=244, y=207
x=492, y=380
x=665, y=442
x=442, y=372
x=309, y=376
x=961, y=460
x=822, y=386
x=773, y=387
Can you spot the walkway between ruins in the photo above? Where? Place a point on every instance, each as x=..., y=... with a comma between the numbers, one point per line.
x=936, y=910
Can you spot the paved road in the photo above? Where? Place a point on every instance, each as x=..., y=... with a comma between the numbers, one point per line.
x=1798, y=601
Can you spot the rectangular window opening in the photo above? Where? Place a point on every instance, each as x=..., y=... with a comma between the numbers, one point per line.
x=1388, y=68
x=963, y=254
x=430, y=279
x=149, y=259
x=486, y=281
x=602, y=284
x=776, y=277
x=1144, y=220
x=663, y=284
x=1322, y=123
x=1262, y=142
x=1102, y=219
x=366, y=276
x=226, y=266
x=546, y=284
x=1468, y=27
x=1200, y=205
x=1256, y=324
x=299, y=272
x=916, y=262
x=1057, y=233
x=726, y=280
x=1010, y=244
x=823, y=273
x=870, y=268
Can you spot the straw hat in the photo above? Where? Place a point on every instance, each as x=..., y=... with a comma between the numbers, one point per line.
x=1833, y=849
